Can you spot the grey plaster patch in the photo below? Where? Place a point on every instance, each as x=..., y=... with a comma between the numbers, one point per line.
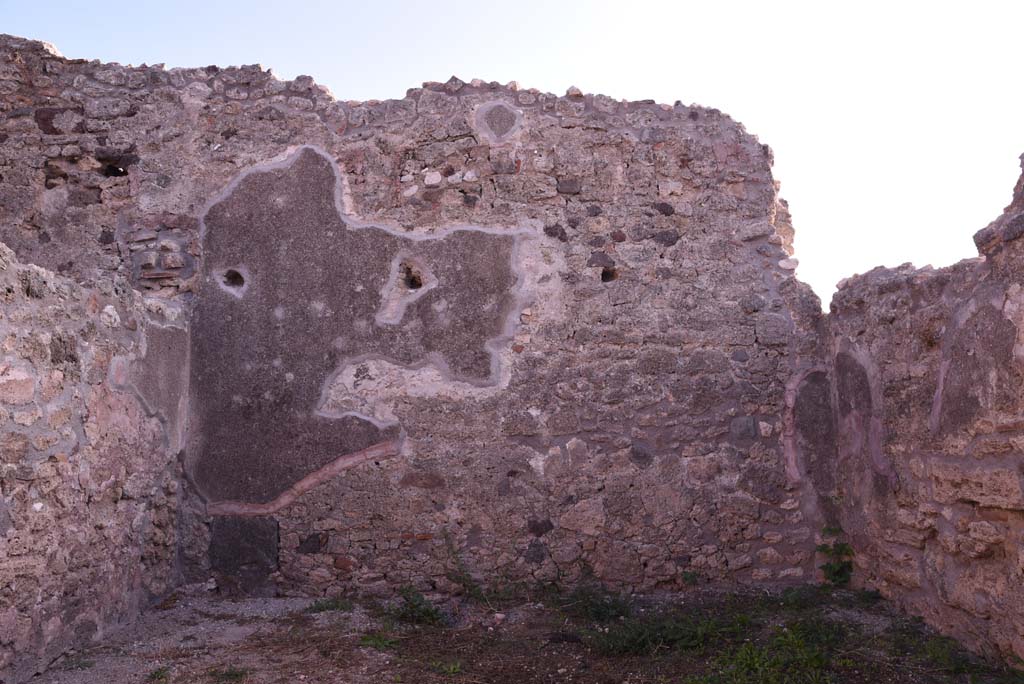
x=497, y=121
x=860, y=410
x=976, y=373
x=854, y=386
x=160, y=379
x=324, y=293
x=815, y=426
x=5, y=518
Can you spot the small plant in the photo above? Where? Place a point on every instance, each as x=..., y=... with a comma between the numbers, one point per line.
x=595, y=604
x=415, y=609
x=640, y=636
x=788, y=659
x=470, y=586
x=506, y=593
x=460, y=574
x=818, y=632
x=802, y=597
x=545, y=592
x=160, y=674
x=324, y=605
x=839, y=564
x=229, y=674
x=78, y=663
x=650, y=634
x=944, y=654
x=690, y=577
x=377, y=640
x=446, y=668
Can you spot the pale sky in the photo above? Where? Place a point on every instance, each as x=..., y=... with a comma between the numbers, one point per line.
x=896, y=126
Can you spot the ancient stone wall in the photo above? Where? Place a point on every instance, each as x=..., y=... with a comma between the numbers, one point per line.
x=479, y=334
x=479, y=329
x=87, y=511
x=930, y=475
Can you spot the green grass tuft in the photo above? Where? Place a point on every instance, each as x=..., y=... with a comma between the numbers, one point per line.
x=651, y=634
x=803, y=597
x=378, y=641
x=160, y=674
x=595, y=604
x=946, y=655
x=414, y=609
x=787, y=659
x=453, y=667
x=324, y=605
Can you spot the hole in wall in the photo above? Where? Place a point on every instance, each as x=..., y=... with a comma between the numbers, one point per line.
x=233, y=278
x=115, y=162
x=409, y=280
x=234, y=281
x=608, y=274
x=114, y=171
x=411, y=277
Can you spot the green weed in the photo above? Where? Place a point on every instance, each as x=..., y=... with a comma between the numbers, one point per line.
x=943, y=653
x=839, y=567
x=378, y=641
x=324, y=605
x=787, y=659
x=78, y=663
x=654, y=633
x=446, y=668
x=414, y=609
x=595, y=604
x=160, y=674
x=802, y=597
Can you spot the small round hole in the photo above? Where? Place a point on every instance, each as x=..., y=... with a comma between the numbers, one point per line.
x=411, y=278
x=233, y=278
x=114, y=171
x=608, y=274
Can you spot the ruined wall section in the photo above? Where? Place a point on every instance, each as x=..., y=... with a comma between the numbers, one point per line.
x=928, y=394
x=639, y=422
x=87, y=477
x=651, y=397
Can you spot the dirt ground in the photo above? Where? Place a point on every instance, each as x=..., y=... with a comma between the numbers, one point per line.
x=799, y=636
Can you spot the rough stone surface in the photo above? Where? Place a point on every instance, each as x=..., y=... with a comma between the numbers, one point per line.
x=87, y=481
x=311, y=347
x=930, y=471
